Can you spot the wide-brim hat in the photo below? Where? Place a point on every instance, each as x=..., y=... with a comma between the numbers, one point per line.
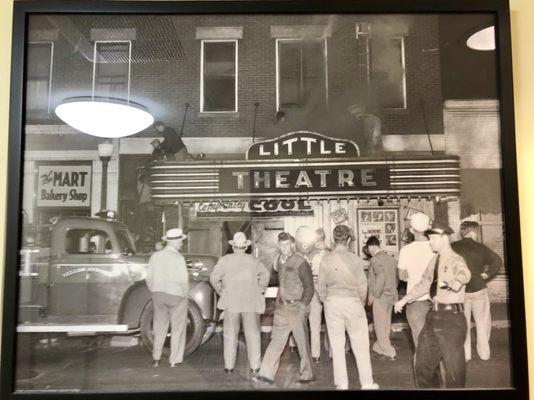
x=420, y=222
x=174, y=234
x=240, y=240
x=439, y=229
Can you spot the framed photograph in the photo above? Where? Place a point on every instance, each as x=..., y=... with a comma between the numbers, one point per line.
x=339, y=216
x=386, y=232
x=407, y=236
x=185, y=178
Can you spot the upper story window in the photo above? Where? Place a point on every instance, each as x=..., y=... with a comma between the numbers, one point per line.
x=111, y=69
x=301, y=73
x=382, y=65
x=218, y=77
x=388, y=71
x=40, y=58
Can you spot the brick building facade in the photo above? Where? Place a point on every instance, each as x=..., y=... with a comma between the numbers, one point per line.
x=165, y=77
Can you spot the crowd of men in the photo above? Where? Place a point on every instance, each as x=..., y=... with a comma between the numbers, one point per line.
x=445, y=288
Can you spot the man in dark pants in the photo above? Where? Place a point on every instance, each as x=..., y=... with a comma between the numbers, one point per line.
x=172, y=144
x=443, y=335
x=483, y=264
x=295, y=292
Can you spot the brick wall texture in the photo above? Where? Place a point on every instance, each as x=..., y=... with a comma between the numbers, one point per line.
x=165, y=86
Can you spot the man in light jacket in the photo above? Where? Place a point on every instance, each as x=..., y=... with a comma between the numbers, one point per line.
x=342, y=287
x=168, y=280
x=241, y=279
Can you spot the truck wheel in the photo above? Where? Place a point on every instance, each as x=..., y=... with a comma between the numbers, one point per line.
x=196, y=328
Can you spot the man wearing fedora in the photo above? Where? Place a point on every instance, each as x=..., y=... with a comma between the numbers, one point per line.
x=240, y=280
x=168, y=280
x=413, y=260
x=443, y=335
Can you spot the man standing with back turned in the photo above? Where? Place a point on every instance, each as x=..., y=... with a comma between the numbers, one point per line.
x=383, y=282
x=413, y=260
x=168, y=280
x=342, y=287
x=241, y=279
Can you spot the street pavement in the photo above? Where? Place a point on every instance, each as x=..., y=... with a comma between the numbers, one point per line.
x=90, y=363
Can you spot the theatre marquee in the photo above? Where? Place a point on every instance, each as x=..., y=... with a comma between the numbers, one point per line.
x=296, y=171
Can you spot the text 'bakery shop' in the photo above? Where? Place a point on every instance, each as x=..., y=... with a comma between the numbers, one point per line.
x=303, y=178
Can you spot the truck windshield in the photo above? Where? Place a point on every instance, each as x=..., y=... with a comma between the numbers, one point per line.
x=125, y=242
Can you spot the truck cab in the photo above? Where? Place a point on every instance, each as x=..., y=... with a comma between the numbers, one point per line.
x=91, y=280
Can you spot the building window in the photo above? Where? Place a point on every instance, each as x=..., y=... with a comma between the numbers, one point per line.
x=381, y=65
x=39, y=77
x=388, y=71
x=301, y=73
x=111, y=69
x=218, y=77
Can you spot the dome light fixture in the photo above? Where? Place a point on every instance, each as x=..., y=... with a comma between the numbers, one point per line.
x=104, y=117
x=482, y=40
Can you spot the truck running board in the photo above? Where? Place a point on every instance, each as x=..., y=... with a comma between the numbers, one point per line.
x=72, y=329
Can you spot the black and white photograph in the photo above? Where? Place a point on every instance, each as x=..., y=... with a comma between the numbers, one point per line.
x=261, y=201
x=390, y=216
x=378, y=216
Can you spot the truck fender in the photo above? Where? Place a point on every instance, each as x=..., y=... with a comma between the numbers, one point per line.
x=203, y=296
x=133, y=302
x=138, y=295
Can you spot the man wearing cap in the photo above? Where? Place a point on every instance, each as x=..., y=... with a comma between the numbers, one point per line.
x=342, y=287
x=241, y=279
x=295, y=292
x=383, y=284
x=413, y=260
x=483, y=264
x=157, y=152
x=443, y=335
x=168, y=280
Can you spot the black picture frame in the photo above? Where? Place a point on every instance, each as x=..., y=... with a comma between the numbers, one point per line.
x=499, y=8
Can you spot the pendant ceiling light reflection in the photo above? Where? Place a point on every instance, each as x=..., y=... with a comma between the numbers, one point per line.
x=483, y=40
x=104, y=117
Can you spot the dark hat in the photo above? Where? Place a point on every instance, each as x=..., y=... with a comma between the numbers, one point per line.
x=439, y=229
x=372, y=241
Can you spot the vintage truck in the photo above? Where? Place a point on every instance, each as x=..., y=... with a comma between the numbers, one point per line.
x=89, y=281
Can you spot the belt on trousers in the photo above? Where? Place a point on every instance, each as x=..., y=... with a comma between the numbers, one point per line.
x=456, y=307
x=286, y=302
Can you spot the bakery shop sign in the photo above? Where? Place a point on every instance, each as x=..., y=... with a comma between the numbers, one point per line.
x=64, y=186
